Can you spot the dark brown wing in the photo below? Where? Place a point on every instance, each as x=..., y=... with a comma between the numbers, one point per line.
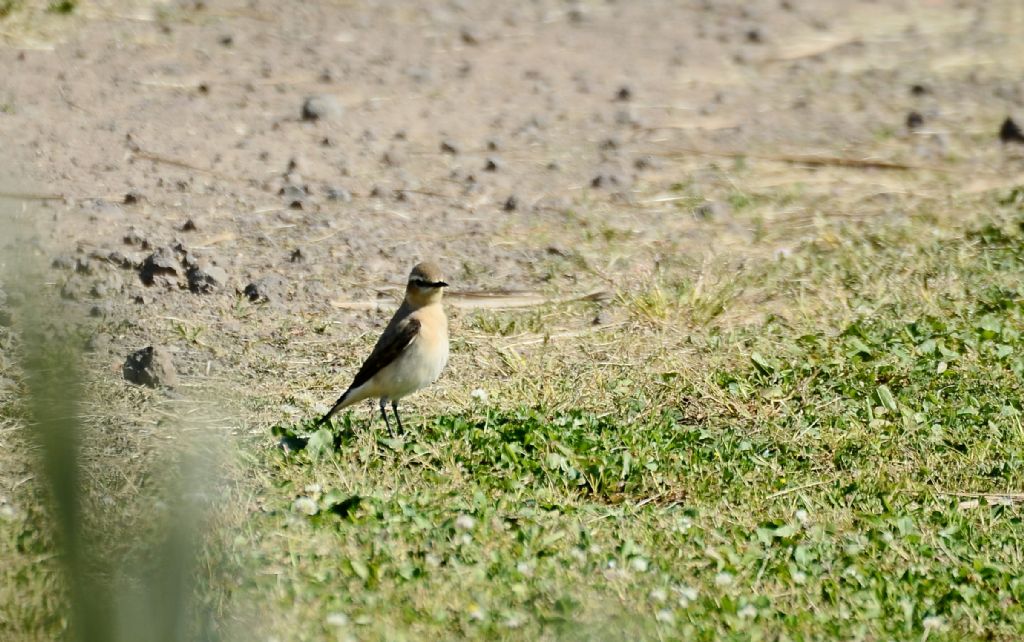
x=387, y=350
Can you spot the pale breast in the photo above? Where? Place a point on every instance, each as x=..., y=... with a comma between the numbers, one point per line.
x=421, y=363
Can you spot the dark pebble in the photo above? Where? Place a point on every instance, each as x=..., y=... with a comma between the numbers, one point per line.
x=264, y=289
x=1010, y=132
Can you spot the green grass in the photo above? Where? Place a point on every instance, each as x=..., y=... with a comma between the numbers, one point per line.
x=853, y=472
x=826, y=446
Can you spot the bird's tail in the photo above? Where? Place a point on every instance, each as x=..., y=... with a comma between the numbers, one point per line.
x=343, y=401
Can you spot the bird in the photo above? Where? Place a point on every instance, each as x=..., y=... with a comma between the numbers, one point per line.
x=411, y=352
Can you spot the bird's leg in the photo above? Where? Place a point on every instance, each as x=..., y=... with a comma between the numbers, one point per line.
x=398, y=418
x=384, y=413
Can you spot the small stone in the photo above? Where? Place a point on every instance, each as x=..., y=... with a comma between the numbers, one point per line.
x=624, y=93
x=83, y=265
x=203, y=279
x=265, y=289
x=1010, y=132
x=339, y=194
x=449, y=147
x=132, y=198
x=914, y=120
x=493, y=164
x=754, y=36
x=226, y=40
x=511, y=204
x=603, y=317
x=189, y=226
x=297, y=256
x=918, y=89
x=160, y=267
x=493, y=145
x=322, y=107
x=151, y=366
x=121, y=260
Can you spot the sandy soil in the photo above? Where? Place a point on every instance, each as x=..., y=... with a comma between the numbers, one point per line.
x=555, y=147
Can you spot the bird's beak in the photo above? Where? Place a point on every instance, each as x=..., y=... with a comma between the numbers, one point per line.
x=439, y=284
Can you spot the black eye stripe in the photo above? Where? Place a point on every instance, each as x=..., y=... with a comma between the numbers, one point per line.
x=421, y=282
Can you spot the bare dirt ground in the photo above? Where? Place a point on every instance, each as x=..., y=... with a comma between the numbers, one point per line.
x=550, y=148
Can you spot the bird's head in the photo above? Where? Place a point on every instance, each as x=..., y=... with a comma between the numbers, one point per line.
x=426, y=283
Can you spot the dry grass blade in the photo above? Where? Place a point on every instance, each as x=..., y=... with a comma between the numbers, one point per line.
x=29, y=196
x=479, y=300
x=812, y=160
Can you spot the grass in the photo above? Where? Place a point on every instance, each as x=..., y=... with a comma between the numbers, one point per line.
x=827, y=445
x=849, y=467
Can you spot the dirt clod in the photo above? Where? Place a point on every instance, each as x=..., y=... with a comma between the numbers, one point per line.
x=150, y=366
x=203, y=278
x=321, y=107
x=265, y=289
x=160, y=268
x=1010, y=132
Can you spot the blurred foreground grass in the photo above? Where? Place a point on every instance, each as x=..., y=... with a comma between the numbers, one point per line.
x=69, y=569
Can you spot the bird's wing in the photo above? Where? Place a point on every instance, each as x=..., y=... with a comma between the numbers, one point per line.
x=387, y=350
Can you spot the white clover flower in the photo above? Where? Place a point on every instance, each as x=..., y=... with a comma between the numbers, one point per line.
x=747, y=612
x=801, y=516
x=687, y=594
x=723, y=579
x=306, y=506
x=479, y=394
x=933, y=622
x=665, y=616
x=658, y=595
x=465, y=522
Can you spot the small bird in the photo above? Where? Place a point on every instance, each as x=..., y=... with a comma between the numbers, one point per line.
x=411, y=353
